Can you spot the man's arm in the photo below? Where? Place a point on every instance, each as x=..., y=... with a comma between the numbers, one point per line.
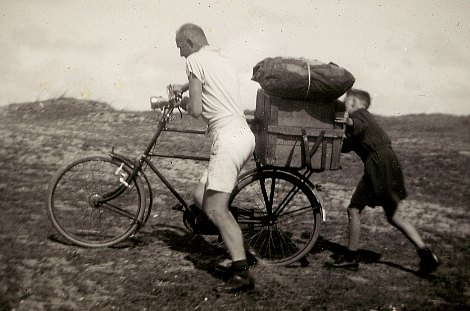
x=194, y=105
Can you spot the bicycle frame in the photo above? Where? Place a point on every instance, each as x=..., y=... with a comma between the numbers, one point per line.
x=145, y=158
x=277, y=208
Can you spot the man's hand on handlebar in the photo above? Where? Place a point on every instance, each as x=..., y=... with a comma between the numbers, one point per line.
x=175, y=98
x=158, y=102
x=184, y=103
x=176, y=91
x=177, y=88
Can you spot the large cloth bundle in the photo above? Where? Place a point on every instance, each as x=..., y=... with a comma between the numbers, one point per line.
x=299, y=78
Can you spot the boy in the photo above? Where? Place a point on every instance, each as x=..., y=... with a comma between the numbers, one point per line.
x=214, y=95
x=382, y=183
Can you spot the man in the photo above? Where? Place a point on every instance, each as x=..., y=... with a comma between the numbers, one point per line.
x=214, y=96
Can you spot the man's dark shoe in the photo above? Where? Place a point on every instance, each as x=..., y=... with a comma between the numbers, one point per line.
x=429, y=261
x=345, y=262
x=238, y=283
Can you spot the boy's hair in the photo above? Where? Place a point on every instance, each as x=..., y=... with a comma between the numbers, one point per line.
x=361, y=95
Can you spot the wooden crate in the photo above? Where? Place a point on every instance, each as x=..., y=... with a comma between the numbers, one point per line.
x=296, y=133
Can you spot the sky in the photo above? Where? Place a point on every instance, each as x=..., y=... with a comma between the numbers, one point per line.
x=412, y=56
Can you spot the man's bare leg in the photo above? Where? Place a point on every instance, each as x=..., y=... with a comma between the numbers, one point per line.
x=216, y=208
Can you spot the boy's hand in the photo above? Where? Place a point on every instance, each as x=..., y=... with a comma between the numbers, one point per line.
x=344, y=119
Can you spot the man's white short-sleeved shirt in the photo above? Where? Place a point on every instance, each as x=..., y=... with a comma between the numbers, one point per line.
x=220, y=91
x=232, y=140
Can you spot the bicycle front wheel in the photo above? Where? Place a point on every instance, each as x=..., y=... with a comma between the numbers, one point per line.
x=76, y=205
x=278, y=213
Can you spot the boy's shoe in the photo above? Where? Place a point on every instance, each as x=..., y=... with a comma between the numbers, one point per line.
x=346, y=262
x=238, y=283
x=429, y=260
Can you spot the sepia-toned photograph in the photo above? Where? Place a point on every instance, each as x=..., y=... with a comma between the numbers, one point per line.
x=234, y=155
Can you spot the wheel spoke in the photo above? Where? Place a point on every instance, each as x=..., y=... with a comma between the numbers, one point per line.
x=292, y=192
x=271, y=197
x=266, y=201
x=118, y=210
x=305, y=209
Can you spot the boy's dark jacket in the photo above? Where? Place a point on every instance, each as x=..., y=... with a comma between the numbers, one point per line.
x=382, y=169
x=365, y=136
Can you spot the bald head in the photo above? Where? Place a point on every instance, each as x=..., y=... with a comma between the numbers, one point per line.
x=193, y=32
x=190, y=38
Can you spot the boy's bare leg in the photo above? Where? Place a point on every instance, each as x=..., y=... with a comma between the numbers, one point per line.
x=429, y=260
x=354, y=215
x=349, y=259
x=405, y=227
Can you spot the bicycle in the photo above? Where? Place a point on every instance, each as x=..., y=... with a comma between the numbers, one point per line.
x=100, y=200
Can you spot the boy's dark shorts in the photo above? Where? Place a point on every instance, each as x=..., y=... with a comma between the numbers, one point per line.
x=364, y=195
x=382, y=183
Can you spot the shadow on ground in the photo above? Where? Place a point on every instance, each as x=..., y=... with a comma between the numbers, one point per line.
x=364, y=256
x=207, y=255
x=204, y=253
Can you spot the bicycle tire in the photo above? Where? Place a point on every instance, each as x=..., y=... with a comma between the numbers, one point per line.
x=281, y=225
x=71, y=202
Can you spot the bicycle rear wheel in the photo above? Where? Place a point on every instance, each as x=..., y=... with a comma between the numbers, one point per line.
x=75, y=207
x=278, y=213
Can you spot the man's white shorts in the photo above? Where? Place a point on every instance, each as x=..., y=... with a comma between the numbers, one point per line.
x=232, y=146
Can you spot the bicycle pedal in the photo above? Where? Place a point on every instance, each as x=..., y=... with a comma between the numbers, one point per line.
x=178, y=207
x=304, y=262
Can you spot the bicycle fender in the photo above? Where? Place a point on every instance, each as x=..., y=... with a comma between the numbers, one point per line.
x=122, y=158
x=321, y=202
x=314, y=190
x=127, y=161
x=245, y=174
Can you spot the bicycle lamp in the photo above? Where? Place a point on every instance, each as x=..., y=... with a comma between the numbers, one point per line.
x=157, y=102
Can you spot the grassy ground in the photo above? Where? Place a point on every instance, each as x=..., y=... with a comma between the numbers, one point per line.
x=165, y=268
